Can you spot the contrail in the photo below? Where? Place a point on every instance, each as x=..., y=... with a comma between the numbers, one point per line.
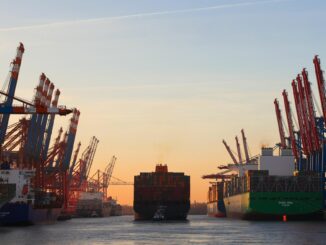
x=140, y=15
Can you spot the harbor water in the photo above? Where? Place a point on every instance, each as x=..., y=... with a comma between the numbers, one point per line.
x=199, y=229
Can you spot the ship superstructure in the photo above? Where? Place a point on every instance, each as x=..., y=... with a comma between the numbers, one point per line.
x=28, y=206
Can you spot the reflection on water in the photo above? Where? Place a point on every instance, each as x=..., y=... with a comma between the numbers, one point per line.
x=198, y=230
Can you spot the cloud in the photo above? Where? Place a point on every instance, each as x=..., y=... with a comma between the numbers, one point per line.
x=139, y=15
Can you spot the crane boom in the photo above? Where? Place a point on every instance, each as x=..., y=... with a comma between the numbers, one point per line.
x=238, y=149
x=230, y=152
x=311, y=111
x=245, y=145
x=304, y=111
x=34, y=110
x=29, y=108
x=109, y=169
x=71, y=138
x=217, y=176
x=14, y=72
x=49, y=127
x=321, y=84
x=290, y=124
x=280, y=124
x=300, y=117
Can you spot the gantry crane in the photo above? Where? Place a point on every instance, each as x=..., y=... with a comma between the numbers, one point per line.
x=304, y=110
x=290, y=125
x=311, y=112
x=14, y=73
x=100, y=181
x=308, y=143
x=78, y=176
x=321, y=84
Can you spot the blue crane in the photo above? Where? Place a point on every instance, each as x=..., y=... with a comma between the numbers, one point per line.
x=14, y=72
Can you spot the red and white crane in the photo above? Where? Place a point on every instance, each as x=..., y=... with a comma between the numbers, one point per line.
x=311, y=111
x=290, y=124
x=280, y=124
x=304, y=111
x=321, y=85
x=300, y=118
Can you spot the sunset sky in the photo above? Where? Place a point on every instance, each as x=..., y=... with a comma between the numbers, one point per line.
x=165, y=81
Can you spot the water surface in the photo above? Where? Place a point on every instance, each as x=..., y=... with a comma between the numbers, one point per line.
x=198, y=230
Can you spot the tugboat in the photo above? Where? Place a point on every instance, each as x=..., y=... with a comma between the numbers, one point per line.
x=160, y=213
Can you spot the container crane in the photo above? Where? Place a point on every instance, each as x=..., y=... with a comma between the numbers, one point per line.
x=51, y=178
x=58, y=172
x=304, y=111
x=100, y=181
x=49, y=127
x=303, y=136
x=14, y=73
x=290, y=125
x=108, y=171
x=78, y=175
x=321, y=84
x=308, y=144
x=311, y=111
x=15, y=139
x=34, y=150
x=71, y=138
x=321, y=89
x=43, y=123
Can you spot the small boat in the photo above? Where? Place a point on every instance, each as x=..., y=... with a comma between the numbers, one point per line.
x=160, y=213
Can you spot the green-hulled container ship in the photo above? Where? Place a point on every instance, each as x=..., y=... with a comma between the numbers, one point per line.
x=260, y=196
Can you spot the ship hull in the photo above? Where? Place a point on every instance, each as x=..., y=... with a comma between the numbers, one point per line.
x=116, y=210
x=25, y=214
x=111, y=208
x=173, y=211
x=275, y=205
x=7, y=192
x=216, y=209
x=106, y=211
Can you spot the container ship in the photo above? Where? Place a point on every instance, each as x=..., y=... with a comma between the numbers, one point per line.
x=91, y=204
x=258, y=195
x=215, y=202
x=269, y=192
x=23, y=209
x=161, y=195
x=111, y=208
